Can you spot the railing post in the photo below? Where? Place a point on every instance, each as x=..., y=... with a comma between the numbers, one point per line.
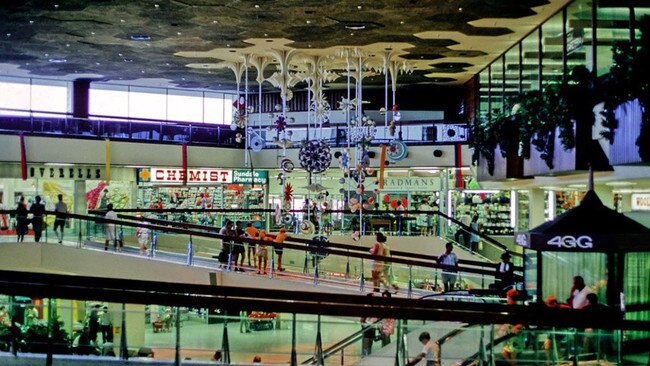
x=124, y=350
x=152, y=249
x=177, y=358
x=190, y=252
x=272, y=262
x=347, y=266
x=410, y=284
x=80, y=239
x=316, y=261
x=14, y=328
x=48, y=358
x=361, y=279
x=225, y=342
x=575, y=347
x=294, y=355
x=318, y=351
x=491, y=353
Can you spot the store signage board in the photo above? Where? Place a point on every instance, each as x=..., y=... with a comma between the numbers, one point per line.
x=244, y=176
x=412, y=184
x=640, y=201
x=65, y=172
x=177, y=175
x=577, y=242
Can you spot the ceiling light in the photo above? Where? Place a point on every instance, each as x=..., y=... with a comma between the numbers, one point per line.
x=359, y=7
x=31, y=22
x=227, y=45
x=179, y=33
x=401, y=22
x=620, y=184
x=122, y=21
x=128, y=60
x=56, y=6
x=215, y=22
x=8, y=34
x=156, y=6
x=266, y=35
x=355, y=27
x=57, y=60
x=309, y=22
x=58, y=164
x=140, y=37
x=460, y=10
x=351, y=34
x=309, y=45
x=257, y=6
x=67, y=44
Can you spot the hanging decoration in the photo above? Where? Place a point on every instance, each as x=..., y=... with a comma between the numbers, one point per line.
x=287, y=165
x=397, y=150
x=315, y=156
x=256, y=142
x=239, y=114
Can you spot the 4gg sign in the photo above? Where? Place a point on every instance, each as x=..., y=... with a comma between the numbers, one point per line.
x=570, y=242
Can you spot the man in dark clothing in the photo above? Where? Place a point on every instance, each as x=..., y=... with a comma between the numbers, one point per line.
x=505, y=274
x=38, y=211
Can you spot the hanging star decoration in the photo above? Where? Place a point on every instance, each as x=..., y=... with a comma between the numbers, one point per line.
x=239, y=118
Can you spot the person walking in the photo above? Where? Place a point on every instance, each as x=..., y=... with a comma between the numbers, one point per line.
x=262, y=253
x=38, y=212
x=226, y=243
x=21, y=219
x=60, y=209
x=252, y=233
x=474, y=237
x=377, y=272
x=106, y=325
x=430, y=352
x=279, y=250
x=109, y=227
x=142, y=233
x=449, y=259
x=238, y=250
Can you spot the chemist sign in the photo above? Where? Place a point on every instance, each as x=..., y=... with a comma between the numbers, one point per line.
x=248, y=176
x=177, y=175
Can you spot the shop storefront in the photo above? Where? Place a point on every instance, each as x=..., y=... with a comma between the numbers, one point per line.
x=207, y=189
x=82, y=188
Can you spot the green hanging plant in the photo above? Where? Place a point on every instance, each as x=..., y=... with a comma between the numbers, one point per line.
x=484, y=142
x=629, y=79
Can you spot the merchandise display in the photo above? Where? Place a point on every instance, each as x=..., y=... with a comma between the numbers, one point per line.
x=492, y=208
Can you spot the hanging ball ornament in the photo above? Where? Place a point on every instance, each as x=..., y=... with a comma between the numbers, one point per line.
x=287, y=165
x=386, y=198
x=371, y=200
x=315, y=156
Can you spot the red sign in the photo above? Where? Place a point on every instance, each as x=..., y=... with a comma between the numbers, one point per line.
x=194, y=176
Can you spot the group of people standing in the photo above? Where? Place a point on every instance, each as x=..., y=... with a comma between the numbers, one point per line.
x=236, y=251
x=37, y=210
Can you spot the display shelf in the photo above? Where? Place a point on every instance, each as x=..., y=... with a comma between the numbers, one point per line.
x=493, y=210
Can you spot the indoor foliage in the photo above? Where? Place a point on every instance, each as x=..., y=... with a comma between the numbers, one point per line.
x=629, y=79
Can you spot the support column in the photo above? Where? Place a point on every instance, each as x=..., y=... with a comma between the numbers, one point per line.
x=536, y=204
x=79, y=207
x=80, y=98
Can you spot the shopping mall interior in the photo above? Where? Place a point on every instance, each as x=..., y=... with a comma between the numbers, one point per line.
x=385, y=182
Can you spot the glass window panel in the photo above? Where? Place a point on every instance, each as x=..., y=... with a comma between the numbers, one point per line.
x=496, y=94
x=483, y=94
x=148, y=103
x=186, y=106
x=228, y=109
x=49, y=96
x=559, y=268
x=512, y=72
x=579, y=38
x=552, y=41
x=530, y=66
x=14, y=94
x=108, y=100
x=613, y=26
x=213, y=108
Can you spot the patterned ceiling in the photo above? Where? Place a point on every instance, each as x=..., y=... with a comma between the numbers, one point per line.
x=201, y=43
